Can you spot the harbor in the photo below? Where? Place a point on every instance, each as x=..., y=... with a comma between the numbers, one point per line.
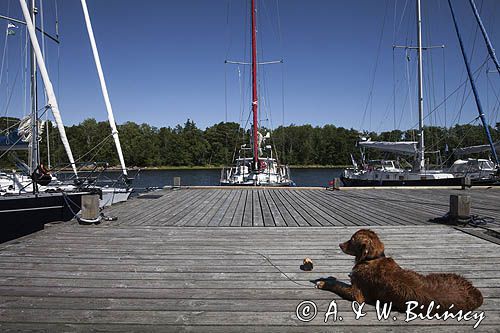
x=209, y=198
x=227, y=259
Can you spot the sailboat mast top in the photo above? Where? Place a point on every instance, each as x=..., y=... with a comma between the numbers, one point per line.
x=254, y=89
x=52, y=101
x=421, y=146
x=473, y=85
x=491, y=50
x=104, y=89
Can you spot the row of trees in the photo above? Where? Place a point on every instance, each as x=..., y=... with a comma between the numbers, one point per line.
x=187, y=145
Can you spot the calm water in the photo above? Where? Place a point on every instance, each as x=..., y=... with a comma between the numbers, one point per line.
x=159, y=178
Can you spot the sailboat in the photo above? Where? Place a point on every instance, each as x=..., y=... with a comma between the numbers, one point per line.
x=256, y=165
x=109, y=193
x=22, y=213
x=390, y=172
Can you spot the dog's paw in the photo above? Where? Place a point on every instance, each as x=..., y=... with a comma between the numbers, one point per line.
x=320, y=284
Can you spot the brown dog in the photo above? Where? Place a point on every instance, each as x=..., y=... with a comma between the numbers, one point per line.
x=377, y=277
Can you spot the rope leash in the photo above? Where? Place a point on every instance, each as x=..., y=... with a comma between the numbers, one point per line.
x=273, y=265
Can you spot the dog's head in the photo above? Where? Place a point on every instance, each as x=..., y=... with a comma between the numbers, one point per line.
x=364, y=245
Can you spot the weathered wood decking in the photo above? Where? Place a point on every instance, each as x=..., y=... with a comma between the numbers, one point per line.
x=298, y=207
x=149, y=271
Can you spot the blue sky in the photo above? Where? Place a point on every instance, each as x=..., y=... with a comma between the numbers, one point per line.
x=164, y=61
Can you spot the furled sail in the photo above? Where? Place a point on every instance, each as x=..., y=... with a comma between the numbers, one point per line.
x=25, y=130
x=475, y=149
x=401, y=147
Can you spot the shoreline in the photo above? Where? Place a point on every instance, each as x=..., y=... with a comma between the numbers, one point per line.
x=206, y=167
x=213, y=167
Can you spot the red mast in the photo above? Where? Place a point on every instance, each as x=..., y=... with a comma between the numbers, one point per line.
x=254, y=90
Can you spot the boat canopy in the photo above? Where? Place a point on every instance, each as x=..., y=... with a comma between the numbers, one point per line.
x=401, y=147
x=475, y=149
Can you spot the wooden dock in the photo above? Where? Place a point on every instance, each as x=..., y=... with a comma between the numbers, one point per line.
x=227, y=260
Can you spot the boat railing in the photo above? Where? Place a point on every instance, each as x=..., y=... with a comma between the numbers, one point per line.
x=91, y=174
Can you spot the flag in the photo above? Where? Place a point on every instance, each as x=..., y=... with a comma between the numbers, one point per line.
x=10, y=27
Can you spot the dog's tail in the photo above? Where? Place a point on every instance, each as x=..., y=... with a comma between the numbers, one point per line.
x=457, y=290
x=475, y=297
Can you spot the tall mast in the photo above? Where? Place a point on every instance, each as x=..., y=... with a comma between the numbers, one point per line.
x=34, y=103
x=52, y=101
x=490, y=48
x=254, y=90
x=474, y=90
x=421, y=147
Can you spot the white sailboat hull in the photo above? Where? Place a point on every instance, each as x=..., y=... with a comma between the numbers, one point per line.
x=17, y=183
x=271, y=174
x=114, y=195
x=398, y=177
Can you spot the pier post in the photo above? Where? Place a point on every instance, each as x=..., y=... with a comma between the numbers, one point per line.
x=460, y=206
x=90, y=206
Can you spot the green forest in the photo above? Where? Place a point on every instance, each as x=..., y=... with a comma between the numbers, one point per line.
x=187, y=145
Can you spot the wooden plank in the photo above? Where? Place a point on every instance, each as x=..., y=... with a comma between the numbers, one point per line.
x=187, y=294
x=296, y=212
x=258, y=214
x=282, y=318
x=363, y=211
x=278, y=219
x=316, y=216
x=197, y=210
x=218, y=217
x=160, y=214
x=231, y=209
x=319, y=328
x=252, y=266
x=173, y=212
x=287, y=217
x=196, y=304
x=212, y=209
x=170, y=208
x=203, y=209
x=296, y=274
x=342, y=214
x=267, y=216
x=248, y=212
x=239, y=210
x=146, y=205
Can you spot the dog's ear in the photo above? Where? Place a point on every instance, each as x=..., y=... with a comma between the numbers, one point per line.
x=364, y=252
x=370, y=249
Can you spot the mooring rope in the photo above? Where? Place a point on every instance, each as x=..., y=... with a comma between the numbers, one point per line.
x=472, y=220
